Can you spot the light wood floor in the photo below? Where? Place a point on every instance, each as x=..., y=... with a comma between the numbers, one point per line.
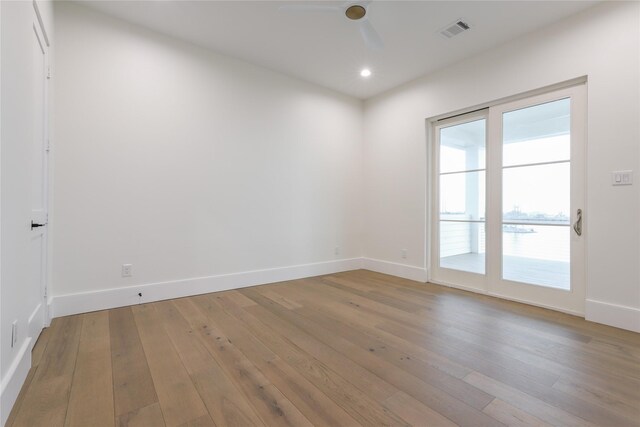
x=356, y=348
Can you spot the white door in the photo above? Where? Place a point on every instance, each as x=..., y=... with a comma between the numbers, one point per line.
x=509, y=185
x=39, y=177
x=539, y=174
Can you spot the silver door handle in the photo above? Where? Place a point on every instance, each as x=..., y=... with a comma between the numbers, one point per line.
x=577, y=226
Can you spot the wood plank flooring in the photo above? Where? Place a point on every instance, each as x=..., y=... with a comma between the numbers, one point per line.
x=347, y=349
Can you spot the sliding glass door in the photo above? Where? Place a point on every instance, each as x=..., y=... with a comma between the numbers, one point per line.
x=462, y=195
x=536, y=194
x=508, y=182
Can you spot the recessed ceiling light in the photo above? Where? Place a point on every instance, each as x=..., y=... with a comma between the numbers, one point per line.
x=365, y=72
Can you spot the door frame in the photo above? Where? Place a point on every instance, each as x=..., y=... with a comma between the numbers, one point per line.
x=43, y=38
x=578, y=88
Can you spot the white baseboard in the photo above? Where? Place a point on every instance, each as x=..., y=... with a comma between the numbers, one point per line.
x=13, y=380
x=619, y=316
x=64, y=305
x=410, y=272
x=36, y=323
x=49, y=312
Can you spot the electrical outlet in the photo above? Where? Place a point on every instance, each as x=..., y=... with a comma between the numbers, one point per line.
x=403, y=254
x=14, y=333
x=127, y=270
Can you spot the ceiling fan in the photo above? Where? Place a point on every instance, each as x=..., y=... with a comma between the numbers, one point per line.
x=351, y=10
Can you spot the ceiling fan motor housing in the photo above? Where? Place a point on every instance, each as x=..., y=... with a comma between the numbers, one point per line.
x=355, y=12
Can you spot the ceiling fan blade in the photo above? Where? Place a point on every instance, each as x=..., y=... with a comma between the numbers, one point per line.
x=309, y=8
x=370, y=35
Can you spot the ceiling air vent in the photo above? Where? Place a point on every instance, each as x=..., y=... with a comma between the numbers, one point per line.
x=454, y=28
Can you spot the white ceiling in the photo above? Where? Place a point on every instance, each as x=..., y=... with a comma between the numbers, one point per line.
x=326, y=48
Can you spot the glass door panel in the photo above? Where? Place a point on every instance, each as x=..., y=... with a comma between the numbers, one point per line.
x=462, y=194
x=537, y=255
x=536, y=195
x=537, y=134
x=462, y=246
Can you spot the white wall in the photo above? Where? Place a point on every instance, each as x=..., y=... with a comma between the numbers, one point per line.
x=188, y=164
x=602, y=43
x=205, y=172
x=19, y=298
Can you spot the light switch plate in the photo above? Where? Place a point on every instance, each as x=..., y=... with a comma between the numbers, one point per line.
x=622, y=177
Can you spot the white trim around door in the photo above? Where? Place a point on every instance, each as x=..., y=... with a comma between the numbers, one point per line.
x=508, y=209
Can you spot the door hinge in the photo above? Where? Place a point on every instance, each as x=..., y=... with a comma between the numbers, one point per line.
x=48, y=146
x=48, y=73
